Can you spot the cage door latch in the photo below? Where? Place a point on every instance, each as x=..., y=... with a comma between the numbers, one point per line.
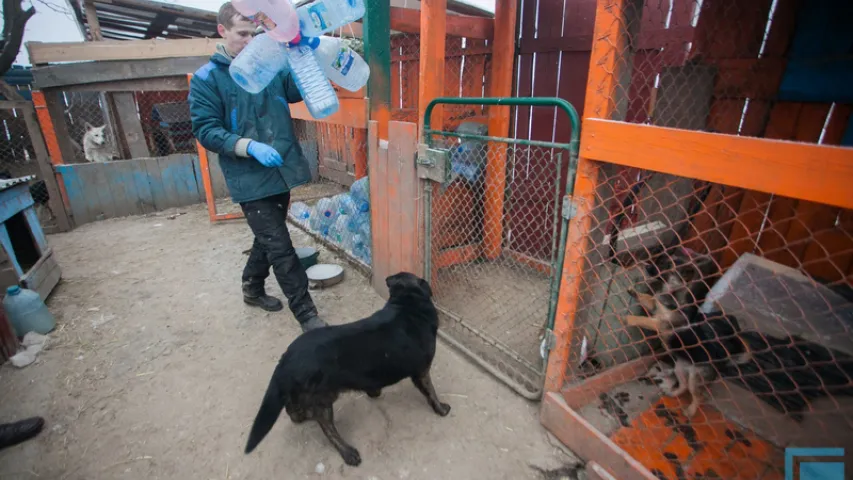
x=433, y=163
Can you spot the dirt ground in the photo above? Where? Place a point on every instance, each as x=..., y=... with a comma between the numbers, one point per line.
x=156, y=370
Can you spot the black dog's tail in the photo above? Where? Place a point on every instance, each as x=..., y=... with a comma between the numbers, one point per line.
x=270, y=409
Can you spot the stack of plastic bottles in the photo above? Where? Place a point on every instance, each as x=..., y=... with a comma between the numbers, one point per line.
x=294, y=40
x=343, y=219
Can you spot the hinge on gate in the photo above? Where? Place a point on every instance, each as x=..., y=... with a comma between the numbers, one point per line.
x=569, y=208
x=549, y=341
x=433, y=163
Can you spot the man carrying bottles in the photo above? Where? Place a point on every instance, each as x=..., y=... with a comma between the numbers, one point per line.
x=261, y=160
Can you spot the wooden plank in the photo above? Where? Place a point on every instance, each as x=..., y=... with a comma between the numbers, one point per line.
x=44, y=275
x=56, y=194
x=64, y=75
x=142, y=182
x=175, y=83
x=124, y=174
x=122, y=201
x=92, y=21
x=377, y=164
x=43, y=53
x=433, y=20
x=168, y=168
x=393, y=200
x=131, y=125
x=352, y=113
x=609, y=72
x=102, y=186
x=95, y=200
x=587, y=441
x=408, y=20
x=772, y=166
x=405, y=137
x=159, y=198
x=15, y=104
x=181, y=170
x=75, y=195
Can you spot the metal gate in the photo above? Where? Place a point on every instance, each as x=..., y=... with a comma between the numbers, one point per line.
x=496, y=219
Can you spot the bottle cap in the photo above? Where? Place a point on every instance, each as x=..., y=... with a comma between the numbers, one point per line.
x=13, y=290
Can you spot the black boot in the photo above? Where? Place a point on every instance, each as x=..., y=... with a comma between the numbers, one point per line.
x=17, y=432
x=258, y=298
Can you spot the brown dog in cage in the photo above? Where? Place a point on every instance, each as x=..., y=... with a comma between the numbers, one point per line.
x=699, y=346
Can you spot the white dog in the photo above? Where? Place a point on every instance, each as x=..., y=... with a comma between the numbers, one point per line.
x=95, y=146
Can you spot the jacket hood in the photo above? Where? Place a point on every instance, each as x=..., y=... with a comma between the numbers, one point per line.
x=221, y=56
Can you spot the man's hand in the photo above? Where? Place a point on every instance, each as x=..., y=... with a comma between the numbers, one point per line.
x=265, y=154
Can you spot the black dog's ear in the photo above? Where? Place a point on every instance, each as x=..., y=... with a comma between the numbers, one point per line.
x=425, y=287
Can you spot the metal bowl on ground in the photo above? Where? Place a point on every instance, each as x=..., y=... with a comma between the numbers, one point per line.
x=325, y=275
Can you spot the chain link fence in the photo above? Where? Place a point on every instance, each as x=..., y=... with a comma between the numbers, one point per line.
x=730, y=311
x=495, y=234
x=18, y=159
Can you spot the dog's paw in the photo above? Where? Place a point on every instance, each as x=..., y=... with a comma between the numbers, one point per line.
x=351, y=457
x=690, y=411
x=374, y=393
x=443, y=409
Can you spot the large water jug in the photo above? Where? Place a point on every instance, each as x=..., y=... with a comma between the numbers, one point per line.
x=317, y=92
x=360, y=192
x=322, y=216
x=345, y=204
x=277, y=17
x=361, y=248
x=340, y=63
x=256, y=66
x=27, y=312
x=322, y=16
x=300, y=211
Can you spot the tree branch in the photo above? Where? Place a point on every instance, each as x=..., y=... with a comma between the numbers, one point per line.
x=14, y=21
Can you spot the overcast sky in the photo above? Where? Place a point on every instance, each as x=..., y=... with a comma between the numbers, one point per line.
x=53, y=21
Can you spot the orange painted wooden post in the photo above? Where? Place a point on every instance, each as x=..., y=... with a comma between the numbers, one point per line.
x=503, y=61
x=609, y=73
x=48, y=131
x=431, y=77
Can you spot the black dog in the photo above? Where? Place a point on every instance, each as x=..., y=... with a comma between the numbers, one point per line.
x=394, y=343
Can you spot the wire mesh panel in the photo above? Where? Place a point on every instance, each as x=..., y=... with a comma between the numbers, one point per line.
x=18, y=159
x=738, y=344
x=493, y=230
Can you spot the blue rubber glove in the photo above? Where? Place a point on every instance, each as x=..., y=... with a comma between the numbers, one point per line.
x=265, y=154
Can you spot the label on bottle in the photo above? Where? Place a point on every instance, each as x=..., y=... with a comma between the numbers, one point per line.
x=262, y=20
x=343, y=61
x=318, y=14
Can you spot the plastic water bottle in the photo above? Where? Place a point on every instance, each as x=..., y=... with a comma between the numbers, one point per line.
x=346, y=205
x=357, y=222
x=360, y=192
x=27, y=312
x=300, y=211
x=340, y=63
x=317, y=92
x=277, y=17
x=321, y=216
x=256, y=66
x=322, y=16
x=338, y=231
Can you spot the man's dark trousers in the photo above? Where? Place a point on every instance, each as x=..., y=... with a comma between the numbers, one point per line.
x=273, y=247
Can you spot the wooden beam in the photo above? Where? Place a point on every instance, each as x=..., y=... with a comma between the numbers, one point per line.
x=92, y=20
x=610, y=68
x=817, y=173
x=408, y=20
x=43, y=53
x=377, y=45
x=431, y=75
x=88, y=73
x=11, y=105
x=175, y=83
x=501, y=74
x=10, y=92
x=131, y=125
x=353, y=113
x=54, y=190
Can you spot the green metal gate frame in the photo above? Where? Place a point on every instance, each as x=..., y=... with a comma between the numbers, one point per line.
x=429, y=158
